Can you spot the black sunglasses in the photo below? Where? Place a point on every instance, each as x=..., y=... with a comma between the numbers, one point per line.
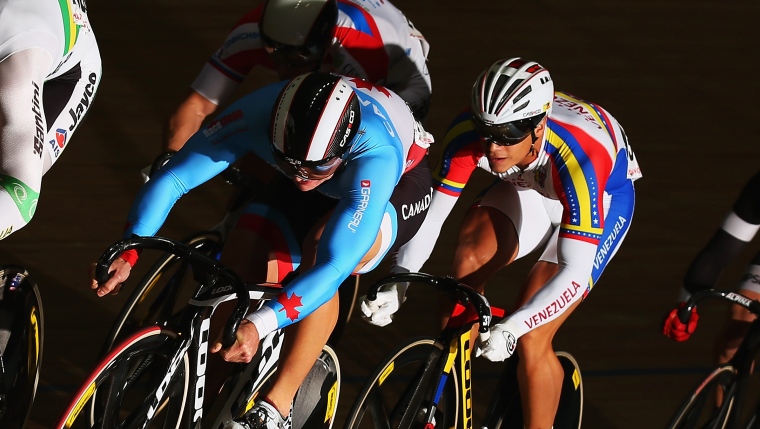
x=508, y=134
x=296, y=56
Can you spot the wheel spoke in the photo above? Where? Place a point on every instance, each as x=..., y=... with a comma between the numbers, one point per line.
x=123, y=389
x=400, y=391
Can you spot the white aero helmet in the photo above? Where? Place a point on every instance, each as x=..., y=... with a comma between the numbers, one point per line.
x=298, y=31
x=509, y=99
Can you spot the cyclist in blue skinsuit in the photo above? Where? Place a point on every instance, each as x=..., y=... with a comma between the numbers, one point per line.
x=341, y=136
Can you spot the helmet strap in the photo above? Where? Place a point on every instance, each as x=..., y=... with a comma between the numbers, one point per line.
x=533, y=139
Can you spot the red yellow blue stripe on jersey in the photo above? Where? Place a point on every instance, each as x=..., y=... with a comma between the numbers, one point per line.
x=582, y=172
x=70, y=28
x=463, y=151
x=585, y=108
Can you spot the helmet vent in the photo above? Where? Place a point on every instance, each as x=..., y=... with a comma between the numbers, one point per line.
x=522, y=94
x=512, y=90
x=520, y=107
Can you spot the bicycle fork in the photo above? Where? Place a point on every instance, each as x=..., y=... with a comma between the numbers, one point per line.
x=446, y=374
x=197, y=393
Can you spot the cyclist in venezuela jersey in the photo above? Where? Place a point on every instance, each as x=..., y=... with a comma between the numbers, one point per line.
x=348, y=139
x=50, y=69
x=370, y=40
x=565, y=183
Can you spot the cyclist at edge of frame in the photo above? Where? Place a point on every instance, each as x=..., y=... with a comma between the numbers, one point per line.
x=739, y=227
x=343, y=137
x=373, y=41
x=564, y=184
x=50, y=70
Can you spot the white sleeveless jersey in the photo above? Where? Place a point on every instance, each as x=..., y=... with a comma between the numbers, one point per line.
x=61, y=27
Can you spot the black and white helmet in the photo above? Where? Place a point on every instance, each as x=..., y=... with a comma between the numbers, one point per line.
x=314, y=122
x=512, y=96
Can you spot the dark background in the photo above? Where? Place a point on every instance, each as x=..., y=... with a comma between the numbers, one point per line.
x=680, y=76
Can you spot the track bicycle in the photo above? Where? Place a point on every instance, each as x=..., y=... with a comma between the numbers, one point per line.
x=163, y=289
x=21, y=338
x=719, y=400
x=427, y=382
x=156, y=377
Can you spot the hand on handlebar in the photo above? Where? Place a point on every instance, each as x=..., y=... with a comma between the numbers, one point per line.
x=118, y=274
x=674, y=329
x=380, y=311
x=245, y=346
x=499, y=346
x=148, y=172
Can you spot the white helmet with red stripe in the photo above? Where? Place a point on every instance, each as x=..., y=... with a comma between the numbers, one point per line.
x=512, y=91
x=314, y=122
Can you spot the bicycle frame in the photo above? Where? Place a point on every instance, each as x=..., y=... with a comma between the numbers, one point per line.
x=455, y=341
x=197, y=321
x=429, y=363
x=743, y=358
x=216, y=285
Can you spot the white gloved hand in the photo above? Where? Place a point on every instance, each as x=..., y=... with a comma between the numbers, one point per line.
x=380, y=311
x=499, y=346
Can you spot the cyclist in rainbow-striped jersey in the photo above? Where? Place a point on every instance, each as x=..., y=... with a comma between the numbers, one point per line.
x=564, y=184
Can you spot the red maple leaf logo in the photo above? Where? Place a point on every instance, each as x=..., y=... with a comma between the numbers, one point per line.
x=289, y=305
x=363, y=84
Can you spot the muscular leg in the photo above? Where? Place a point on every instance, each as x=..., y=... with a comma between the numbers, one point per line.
x=304, y=340
x=303, y=344
x=487, y=242
x=539, y=371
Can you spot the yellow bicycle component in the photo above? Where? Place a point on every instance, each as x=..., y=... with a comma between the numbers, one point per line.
x=82, y=401
x=332, y=401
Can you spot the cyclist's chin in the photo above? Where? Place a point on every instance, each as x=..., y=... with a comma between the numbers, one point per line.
x=307, y=185
x=500, y=165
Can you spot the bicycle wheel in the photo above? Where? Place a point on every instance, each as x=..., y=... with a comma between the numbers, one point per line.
x=703, y=409
x=505, y=409
x=156, y=298
x=316, y=401
x=123, y=390
x=399, y=391
x=21, y=340
x=570, y=410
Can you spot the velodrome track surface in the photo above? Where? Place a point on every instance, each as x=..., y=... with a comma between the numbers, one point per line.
x=680, y=76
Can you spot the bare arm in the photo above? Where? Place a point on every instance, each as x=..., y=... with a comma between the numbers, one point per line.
x=186, y=120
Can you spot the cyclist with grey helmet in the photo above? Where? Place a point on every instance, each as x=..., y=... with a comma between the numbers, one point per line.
x=373, y=41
